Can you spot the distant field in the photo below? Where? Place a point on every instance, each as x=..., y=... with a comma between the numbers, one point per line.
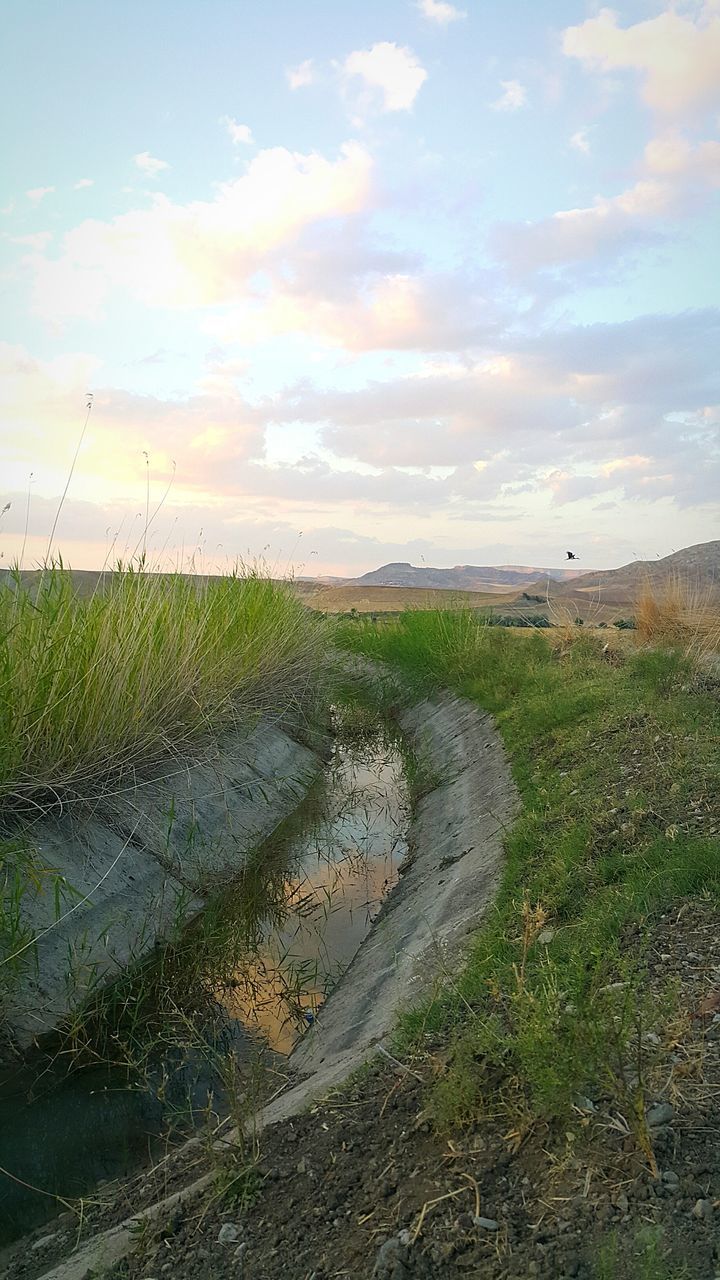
x=397, y=599
x=593, y=604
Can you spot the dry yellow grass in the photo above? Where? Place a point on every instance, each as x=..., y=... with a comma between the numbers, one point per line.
x=372, y=599
x=679, y=614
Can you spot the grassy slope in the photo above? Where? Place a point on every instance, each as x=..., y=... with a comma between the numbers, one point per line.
x=617, y=766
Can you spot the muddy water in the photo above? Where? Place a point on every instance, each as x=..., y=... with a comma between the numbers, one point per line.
x=289, y=929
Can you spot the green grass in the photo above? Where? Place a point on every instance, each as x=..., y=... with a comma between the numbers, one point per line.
x=98, y=689
x=618, y=771
x=647, y=1258
x=92, y=689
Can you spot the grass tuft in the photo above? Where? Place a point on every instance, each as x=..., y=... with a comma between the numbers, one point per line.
x=680, y=615
x=92, y=690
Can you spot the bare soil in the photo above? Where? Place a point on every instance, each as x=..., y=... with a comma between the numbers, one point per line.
x=363, y=1185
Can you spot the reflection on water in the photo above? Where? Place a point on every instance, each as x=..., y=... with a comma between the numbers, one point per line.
x=340, y=872
x=265, y=955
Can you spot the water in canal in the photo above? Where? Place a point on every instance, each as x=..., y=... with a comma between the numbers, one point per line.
x=264, y=957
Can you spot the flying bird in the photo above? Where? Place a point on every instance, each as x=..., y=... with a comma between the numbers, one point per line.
x=571, y=555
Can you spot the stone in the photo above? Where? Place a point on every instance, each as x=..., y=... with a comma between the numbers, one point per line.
x=391, y=1260
x=546, y=937
x=703, y=1210
x=44, y=1241
x=229, y=1233
x=670, y=1178
x=486, y=1224
x=662, y=1113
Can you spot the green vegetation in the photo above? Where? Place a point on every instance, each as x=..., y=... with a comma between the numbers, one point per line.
x=96, y=690
x=617, y=765
x=519, y=620
x=647, y=1259
x=93, y=688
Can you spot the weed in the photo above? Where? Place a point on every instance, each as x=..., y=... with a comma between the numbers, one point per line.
x=679, y=614
x=618, y=772
x=646, y=1258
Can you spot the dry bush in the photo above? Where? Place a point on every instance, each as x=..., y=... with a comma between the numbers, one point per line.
x=679, y=614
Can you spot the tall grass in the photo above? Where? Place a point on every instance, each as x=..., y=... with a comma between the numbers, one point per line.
x=94, y=689
x=679, y=614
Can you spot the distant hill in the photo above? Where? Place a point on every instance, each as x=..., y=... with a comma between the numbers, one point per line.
x=698, y=565
x=462, y=577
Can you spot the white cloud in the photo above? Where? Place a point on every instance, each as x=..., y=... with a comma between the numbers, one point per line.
x=42, y=404
x=389, y=69
x=676, y=55
x=203, y=252
x=149, y=164
x=513, y=98
x=240, y=133
x=83, y=182
x=390, y=311
x=301, y=76
x=439, y=11
x=581, y=142
x=36, y=194
x=676, y=177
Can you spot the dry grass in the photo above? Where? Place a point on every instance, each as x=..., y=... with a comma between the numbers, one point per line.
x=377, y=599
x=680, y=615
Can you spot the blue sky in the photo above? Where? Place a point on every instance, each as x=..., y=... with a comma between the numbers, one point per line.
x=361, y=282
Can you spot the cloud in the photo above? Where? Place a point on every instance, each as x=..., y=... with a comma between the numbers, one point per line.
x=512, y=99
x=239, y=133
x=677, y=177
x=580, y=141
x=677, y=56
x=301, y=76
x=42, y=404
x=390, y=70
x=203, y=252
x=632, y=405
x=440, y=12
x=36, y=194
x=149, y=164
x=83, y=182
x=380, y=311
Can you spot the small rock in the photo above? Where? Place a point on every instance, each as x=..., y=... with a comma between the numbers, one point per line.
x=670, y=1178
x=703, y=1210
x=584, y=1104
x=652, y=1037
x=240, y=1252
x=391, y=1260
x=621, y=1202
x=301, y=1166
x=229, y=1233
x=44, y=1241
x=660, y=1114
x=487, y=1224
x=546, y=937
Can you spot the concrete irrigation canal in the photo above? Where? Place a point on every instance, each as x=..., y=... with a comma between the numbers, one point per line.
x=321, y=896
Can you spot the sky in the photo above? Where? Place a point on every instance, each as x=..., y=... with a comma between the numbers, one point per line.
x=399, y=280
